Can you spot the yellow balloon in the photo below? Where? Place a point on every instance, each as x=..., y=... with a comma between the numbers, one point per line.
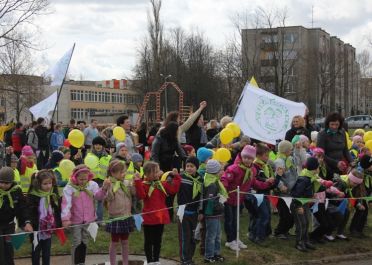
x=349, y=144
x=235, y=128
x=119, y=133
x=226, y=136
x=223, y=155
x=66, y=167
x=76, y=138
x=367, y=136
x=165, y=175
x=91, y=161
x=369, y=145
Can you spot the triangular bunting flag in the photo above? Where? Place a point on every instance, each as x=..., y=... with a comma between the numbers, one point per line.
x=259, y=198
x=273, y=200
x=288, y=201
x=17, y=240
x=35, y=241
x=60, y=233
x=326, y=204
x=315, y=207
x=342, y=207
x=138, y=220
x=93, y=230
x=253, y=82
x=304, y=200
x=368, y=199
x=352, y=202
x=181, y=212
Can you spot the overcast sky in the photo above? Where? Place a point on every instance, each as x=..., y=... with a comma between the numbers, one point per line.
x=107, y=32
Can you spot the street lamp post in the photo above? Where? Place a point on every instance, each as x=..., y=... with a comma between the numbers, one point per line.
x=166, y=93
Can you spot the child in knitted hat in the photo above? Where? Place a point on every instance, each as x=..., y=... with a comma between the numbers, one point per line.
x=356, y=147
x=79, y=196
x=213, y=210
x=299, y=152
x=122, y=153
x=305, y=187
x=203, y=154
x=190, y=193
x=13, y=204
x=287, y=181
x=26, y=167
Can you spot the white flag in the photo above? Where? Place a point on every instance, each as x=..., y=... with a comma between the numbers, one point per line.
x=58, y=71
x=93, y=230
x=264, y=116
x=44, y=109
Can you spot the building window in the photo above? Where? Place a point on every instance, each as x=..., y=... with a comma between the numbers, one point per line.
x=100, y=96
x=107, y=97
x=289, y=54
x=2, y=102
x=290, y=37
x=138, y=99
x=95, y=96
x=125, y=98
x=77, y=114
x=270, y=38
x=289, y=88
x=130, y=99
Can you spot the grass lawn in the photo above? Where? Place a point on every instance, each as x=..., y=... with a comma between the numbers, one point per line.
x=276, y=251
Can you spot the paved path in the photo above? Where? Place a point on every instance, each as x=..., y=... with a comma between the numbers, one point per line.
x=358, y=262
x=92, y=260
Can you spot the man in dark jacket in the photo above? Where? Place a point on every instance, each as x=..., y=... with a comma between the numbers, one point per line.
x=42, y=134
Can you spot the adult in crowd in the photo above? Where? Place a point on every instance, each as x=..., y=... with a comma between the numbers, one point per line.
x=215, y=142
x=4, y=128
x=310, y=124
x=32, y=139
x=81, y=125
x=298, y=128
x=57, y=138
x=174, y=116
x=90, y=133
x=124, y=122
x=332, y=139
x=163, y=151
x=196, y=135
x=142, y=138
x=154, y=129
x=18, y=139
x=212, y=130
x=43, y=149
x=70, y=127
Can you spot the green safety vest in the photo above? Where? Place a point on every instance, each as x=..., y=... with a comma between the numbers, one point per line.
x=131, y=171
x=345, y=178
x=25, y=180
x=17, y=176
x=100, y=172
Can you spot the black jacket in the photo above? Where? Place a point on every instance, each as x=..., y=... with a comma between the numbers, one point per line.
x=42, y=135
x=212, y=207
x=20, y=210
x=33, y=204
x=296, y=131
x=185, y=194
x=163, y=152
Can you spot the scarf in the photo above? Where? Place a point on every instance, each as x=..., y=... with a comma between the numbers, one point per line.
x=80, y=189
x=196, y=186
x=323, y=170
x=155, y=184
x=368, y=179
x=7, y=193
x=119, y=185
x=202, y=167
x=100, y=153
x=47, y=195
x=248, y=172
x=331, y=132
x=211, y=179
x=268, y=171
x=313, y=178
x=287, y=160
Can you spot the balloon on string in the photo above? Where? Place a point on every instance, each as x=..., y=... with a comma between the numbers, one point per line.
x=67, y=143
x=119, y=133
x=76, y=138
x=226, y=136
x=223, y=155
x=367, y=136
x=235, y=128
x=66, y=167
x=91, y=161
x=369, y=145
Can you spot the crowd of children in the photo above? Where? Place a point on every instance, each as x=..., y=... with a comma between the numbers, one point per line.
x=45, y=200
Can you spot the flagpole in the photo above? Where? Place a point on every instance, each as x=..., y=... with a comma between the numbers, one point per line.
x=239, y=101
x=60, y=89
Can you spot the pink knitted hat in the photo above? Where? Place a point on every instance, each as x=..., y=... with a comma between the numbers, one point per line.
x=27, y=151
x=357, y=138
x=249, y=150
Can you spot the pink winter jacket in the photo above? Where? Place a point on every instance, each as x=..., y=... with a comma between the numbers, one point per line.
x=81, y=209
x=234, y=176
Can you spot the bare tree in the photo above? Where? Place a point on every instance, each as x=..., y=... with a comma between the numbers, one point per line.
x=15, y=14
x=365, y=62
x=20, y=87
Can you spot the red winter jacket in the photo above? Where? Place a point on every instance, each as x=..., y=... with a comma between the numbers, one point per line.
x=18, y=140
x=234, y=176
x=156, y=201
